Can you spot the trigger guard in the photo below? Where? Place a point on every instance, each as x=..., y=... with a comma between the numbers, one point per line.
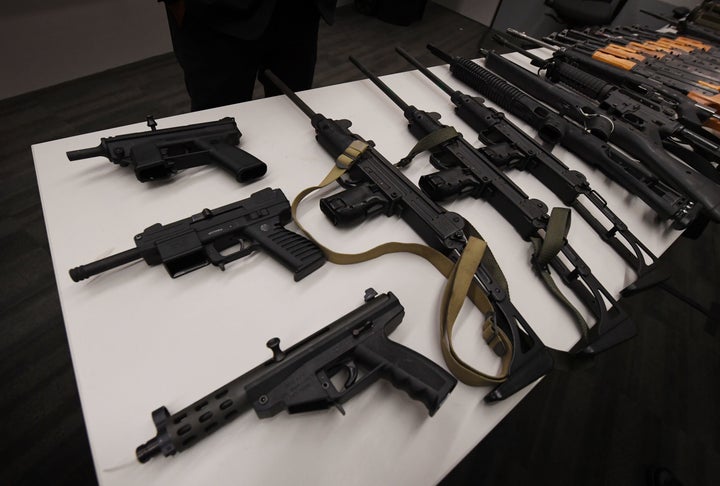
x=347, y=182
x=436, y=162
x=599, y=126
x=352, y=371
x=218, y=259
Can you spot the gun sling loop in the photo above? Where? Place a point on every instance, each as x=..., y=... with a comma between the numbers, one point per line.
x=459, y=275
x=545, y=249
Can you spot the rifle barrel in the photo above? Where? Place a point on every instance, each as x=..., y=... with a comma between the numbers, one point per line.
x=383, y=87
x=287, y=92
x=524, y=36
x=439, y=82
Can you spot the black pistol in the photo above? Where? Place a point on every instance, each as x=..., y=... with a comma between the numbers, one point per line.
x=191, y=243
x=159, y=154
x=299, y=378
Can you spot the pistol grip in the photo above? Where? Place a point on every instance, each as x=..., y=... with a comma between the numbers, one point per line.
x=354, y=205
x=242, y=165
x=407, y=370
x=294, y=251
x=447, y=184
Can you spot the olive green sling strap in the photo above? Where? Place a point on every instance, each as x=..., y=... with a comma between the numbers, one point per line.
x=460, y=284
x=545, y=249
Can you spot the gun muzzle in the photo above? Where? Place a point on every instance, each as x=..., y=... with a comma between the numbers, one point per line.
x=85, y=271
x=98, y=151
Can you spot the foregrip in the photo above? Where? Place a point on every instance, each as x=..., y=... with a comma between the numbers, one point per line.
x=85, y=271
x=407, y=370
x=294, y=251
x=579, y=80
x=509, y=97
x=183, y=429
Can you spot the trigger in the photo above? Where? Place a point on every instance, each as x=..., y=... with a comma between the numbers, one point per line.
x=352, y=374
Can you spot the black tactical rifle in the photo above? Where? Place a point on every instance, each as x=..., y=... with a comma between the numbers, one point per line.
x=689, y=112
x=508, y=147
x=647, y=117
x=465, y=171
x=159, y=154
x=299, y=378
x=693, y=87
x=645, y=146
x=377, y=186
x=255, y=223
x=641, y=54
x=666, y=201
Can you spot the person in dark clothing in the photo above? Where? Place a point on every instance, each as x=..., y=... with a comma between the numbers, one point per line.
x=223, y=45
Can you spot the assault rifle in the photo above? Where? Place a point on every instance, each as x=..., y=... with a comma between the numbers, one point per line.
x=673, y=52
x=647, y=148
x=465, y=171
x=508, y=147
x=299, y=378
x=648, y=54
x=186, y=245
x=377, y=186
x=689, y=112
x=667, y=202
x=683, y=82
x=645, y=116
x=159, y=154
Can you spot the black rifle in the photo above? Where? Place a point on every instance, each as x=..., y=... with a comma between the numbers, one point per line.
x=647, y=148
x=673, y=52
x=183, y=246
x=299, y=378
x=380, y=187
x=647, y=117
x=674, y=79
x=159, y=154
x=667, y=202
x=465, y=171
x=700, y=68
x=508, y=147
x=688, y=111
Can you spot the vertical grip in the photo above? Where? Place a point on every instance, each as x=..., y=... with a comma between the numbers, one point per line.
x=294, y=251
x=407, y=370
x=242, y=165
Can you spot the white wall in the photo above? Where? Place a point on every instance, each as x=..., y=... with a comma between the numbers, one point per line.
x=45, y=43
x=479, y=10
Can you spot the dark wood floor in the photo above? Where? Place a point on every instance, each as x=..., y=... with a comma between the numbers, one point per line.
x=652, y=401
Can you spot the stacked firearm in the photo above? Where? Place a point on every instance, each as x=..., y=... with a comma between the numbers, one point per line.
x=636, y=104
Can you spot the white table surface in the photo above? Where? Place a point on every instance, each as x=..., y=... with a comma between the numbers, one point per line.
x=140, y=339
